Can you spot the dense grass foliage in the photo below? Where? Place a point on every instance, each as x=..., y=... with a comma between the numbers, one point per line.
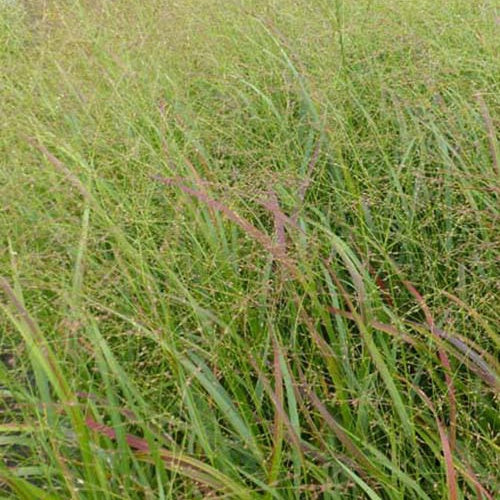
x=249, y=249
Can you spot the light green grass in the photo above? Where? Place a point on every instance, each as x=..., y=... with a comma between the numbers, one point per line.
x=158, y=338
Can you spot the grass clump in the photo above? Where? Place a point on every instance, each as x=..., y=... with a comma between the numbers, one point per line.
x=249, y=250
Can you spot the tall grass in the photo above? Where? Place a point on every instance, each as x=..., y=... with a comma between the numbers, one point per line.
x=249, y=249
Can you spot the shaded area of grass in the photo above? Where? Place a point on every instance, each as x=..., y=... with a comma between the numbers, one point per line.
x=249, y=250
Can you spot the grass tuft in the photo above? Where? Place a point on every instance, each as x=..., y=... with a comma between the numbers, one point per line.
x=249, y=249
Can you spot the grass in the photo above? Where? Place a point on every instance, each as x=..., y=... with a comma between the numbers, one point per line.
x=249, y=249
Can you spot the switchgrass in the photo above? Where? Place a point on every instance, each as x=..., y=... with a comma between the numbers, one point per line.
x=249, y=249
